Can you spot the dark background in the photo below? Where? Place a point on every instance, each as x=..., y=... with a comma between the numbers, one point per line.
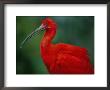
x=75, y=30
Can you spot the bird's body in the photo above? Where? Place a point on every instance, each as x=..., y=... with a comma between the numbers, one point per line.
x=63, y=58
x=66, y=59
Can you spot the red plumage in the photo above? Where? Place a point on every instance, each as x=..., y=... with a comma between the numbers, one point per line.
x=63, y=58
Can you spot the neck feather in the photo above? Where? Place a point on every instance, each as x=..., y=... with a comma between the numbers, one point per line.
x=48, y=36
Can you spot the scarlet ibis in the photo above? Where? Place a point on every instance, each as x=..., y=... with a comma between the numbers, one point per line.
x=61, y=58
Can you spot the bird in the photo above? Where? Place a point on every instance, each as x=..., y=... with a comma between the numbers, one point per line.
x=61, y=58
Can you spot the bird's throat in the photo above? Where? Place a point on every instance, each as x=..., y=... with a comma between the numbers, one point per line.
x=47, y=39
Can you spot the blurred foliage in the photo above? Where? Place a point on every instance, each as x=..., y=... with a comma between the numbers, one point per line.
x=75, y=30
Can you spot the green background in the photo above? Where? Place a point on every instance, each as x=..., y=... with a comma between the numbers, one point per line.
x=75, y=30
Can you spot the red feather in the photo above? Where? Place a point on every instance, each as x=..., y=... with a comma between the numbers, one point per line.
x=63, y=58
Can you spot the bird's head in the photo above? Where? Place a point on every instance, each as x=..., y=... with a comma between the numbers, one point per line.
x=47, y=24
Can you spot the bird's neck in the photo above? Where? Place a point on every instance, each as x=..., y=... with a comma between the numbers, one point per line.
x=48, y=36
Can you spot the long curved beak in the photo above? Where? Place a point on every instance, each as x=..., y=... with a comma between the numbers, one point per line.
x=32, y=34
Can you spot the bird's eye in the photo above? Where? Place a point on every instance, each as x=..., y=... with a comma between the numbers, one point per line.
x=46, y=25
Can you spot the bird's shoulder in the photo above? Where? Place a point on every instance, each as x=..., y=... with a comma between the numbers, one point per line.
x=62, y=47
x=68, y=51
